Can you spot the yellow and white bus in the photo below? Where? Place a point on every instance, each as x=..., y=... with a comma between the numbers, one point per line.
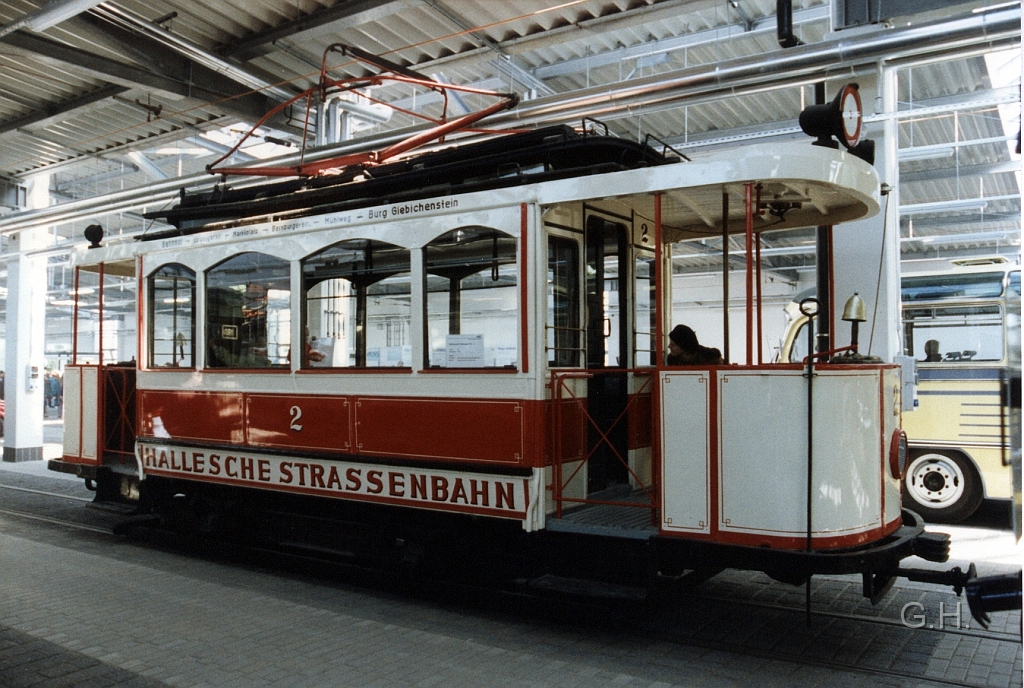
x=956, y=325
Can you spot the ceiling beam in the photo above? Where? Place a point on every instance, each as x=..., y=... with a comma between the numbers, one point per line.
x=667, y=45
x=136, y=144
x=343, y=15
x=183, y=80
x=961, y=171
x=41, y=118
x=139, y=29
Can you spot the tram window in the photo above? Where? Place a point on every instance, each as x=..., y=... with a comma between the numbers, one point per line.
x=357, y=306
x=646, y=355
x=171, y=291
x=563, y=324
x=964, y=333
x=1015, y=283
x=120, y=318
x=248, y=312
x=472, y=300
x=114, y=340
x=87, y=300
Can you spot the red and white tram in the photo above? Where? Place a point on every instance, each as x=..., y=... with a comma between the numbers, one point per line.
x=466, y=347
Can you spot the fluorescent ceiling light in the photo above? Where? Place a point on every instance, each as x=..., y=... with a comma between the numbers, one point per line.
x=56, y=12
x=926, y=153
x=965, y=204
x=989, y=8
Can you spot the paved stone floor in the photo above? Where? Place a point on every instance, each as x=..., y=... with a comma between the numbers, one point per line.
x=82, y=608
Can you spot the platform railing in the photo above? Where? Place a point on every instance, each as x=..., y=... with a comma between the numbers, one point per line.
x=564, y=397
x=118, y=414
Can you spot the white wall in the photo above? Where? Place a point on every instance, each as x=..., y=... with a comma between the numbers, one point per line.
x=697, y=302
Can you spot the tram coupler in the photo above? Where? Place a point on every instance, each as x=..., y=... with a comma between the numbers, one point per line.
x=955, y=577
x=993, y=594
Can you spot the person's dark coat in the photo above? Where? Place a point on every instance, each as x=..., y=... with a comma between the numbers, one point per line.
x=693, y=353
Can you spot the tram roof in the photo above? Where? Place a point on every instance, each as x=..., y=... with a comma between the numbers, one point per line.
x=799, y=186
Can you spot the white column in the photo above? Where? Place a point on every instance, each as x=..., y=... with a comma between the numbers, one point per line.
x=24, y=363
x=867, y=253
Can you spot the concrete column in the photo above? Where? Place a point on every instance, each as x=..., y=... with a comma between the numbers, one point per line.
x=25, y=328
x=867, y=253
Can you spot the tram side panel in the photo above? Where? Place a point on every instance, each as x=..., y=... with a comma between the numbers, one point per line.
x=81, y=415
x=492, y=432
x=736, y=456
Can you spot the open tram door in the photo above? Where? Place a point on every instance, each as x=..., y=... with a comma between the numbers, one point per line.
x=99, y=382
x=618, y=288
x=601, y=350
x=607, y=312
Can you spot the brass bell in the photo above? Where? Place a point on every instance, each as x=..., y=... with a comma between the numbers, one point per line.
x=855, y=310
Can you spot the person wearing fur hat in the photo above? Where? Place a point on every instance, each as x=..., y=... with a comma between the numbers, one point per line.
x=684, y=349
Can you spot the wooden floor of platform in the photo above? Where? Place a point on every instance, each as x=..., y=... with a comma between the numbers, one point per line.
x=606, y=519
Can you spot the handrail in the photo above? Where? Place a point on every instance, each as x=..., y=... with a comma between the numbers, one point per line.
x=558, y=399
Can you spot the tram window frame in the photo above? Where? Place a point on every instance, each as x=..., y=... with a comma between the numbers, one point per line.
x=253, y=352
x=480, y=255
x=87, y=316
x=381, y=270
x=181, y=340
x=120, y=317
x=651, y=310
x=564, y=331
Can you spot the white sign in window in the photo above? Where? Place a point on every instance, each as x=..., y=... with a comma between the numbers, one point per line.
x=464, y=351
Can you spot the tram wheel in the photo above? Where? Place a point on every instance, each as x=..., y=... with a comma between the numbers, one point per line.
x=943, y=487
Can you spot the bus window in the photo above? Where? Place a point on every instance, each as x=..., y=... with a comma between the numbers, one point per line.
x=472, y=300
x=963, y=333
x=953, y=286
x=563, y=323
x=357, y=306
x=1015, y=283
x=171, y=291
x=248, y=312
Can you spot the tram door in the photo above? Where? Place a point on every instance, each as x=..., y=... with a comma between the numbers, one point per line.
x=608, y=318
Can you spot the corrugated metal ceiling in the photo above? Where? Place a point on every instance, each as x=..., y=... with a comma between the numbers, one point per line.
x=85, y=99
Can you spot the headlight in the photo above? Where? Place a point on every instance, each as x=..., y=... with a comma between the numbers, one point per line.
x=898, y=454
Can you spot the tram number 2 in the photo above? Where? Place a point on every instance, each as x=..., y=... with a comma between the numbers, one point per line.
x=296, y=415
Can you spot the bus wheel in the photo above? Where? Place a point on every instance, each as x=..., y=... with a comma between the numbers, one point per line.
x=942, y=487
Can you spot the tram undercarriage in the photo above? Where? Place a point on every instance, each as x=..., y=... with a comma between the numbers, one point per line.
x=497, y=553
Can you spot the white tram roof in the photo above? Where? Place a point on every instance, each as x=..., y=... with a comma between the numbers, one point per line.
x=820, y=186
